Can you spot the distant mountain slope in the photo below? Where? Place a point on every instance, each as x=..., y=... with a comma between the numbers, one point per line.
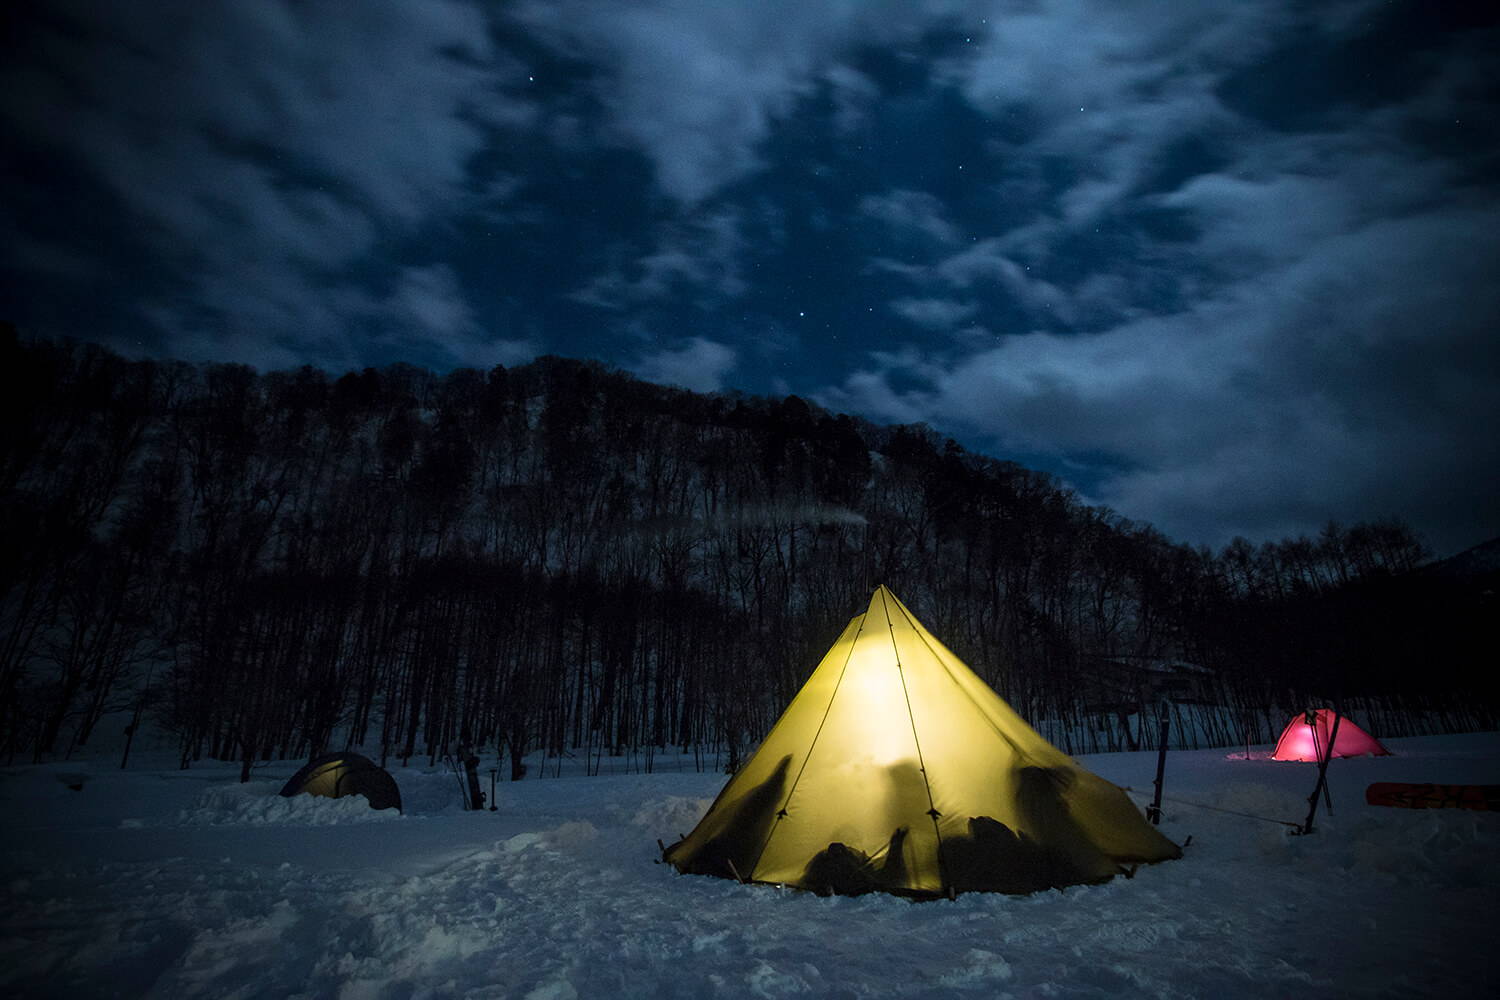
x=1482, y=562
x=560, y=554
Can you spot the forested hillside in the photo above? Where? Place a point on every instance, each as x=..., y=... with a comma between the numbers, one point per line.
x=562, y=556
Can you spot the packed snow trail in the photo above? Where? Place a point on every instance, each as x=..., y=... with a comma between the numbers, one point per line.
x=164, y=883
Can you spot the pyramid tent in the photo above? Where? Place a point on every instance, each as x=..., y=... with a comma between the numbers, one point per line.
x=895, y=768
x=1306, y=738
x=335, y=775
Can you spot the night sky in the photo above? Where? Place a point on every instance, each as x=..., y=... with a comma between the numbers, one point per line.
x=1229, y=266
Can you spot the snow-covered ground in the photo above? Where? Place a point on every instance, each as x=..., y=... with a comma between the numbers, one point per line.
x=167, y=883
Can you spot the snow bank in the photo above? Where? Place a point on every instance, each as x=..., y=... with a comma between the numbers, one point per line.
x=226, y=890
x=260, y=803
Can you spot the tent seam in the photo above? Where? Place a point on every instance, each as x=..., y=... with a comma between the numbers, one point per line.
x=811, y=747
x=932, y=810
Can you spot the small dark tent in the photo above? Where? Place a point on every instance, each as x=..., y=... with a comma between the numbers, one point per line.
x=335, y=775
x=897, y=769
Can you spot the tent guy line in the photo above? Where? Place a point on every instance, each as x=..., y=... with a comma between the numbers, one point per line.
x=1220, y=809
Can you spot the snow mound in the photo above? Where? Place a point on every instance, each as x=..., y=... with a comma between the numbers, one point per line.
x=1447, y=850
x=578, y=835
x=674, y=815
x=977, y=970
x=260, y=803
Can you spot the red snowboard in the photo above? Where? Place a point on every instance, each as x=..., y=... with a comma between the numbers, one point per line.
x=1416, y=796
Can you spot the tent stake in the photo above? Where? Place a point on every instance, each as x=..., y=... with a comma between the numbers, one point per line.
x=737, y=876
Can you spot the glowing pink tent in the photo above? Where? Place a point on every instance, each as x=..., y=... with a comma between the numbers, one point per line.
x=1306, y=738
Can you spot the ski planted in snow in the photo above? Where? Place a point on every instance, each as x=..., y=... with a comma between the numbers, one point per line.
x=474, y=796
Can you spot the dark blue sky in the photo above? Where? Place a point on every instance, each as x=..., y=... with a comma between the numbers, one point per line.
x=1229, y=267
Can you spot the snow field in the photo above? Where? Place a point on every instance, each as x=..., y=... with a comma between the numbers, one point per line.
x=155, y=882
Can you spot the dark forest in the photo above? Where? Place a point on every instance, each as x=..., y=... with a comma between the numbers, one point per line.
x=562, y=557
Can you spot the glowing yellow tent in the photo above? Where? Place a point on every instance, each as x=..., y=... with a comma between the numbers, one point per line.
x=897, y=769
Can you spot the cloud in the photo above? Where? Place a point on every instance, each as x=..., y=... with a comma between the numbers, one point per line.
x=853, y=94
x=259, y=150
x=1107, y=99
x=1252, y=362
x=1074, y=58
x=934, y=314
x=983, y=269
x=698, y=255
x=1108, y=95
x=986, y=263
x=910, y=212
x=698, y=87
x=699, y=365
x=1359, y=380
x=1284, y=326
x=428, y=312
